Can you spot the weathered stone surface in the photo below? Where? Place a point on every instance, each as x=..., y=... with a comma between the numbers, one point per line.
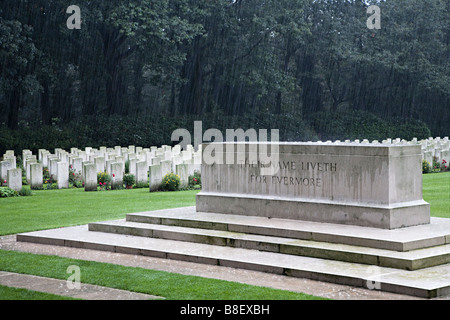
x=141, y=172
x=36, y=176
x=90, y=176
x=117, y=175
x=5, y=165
x=155, y=177
x=62, y=175
x=360, y=184
x=14, y=179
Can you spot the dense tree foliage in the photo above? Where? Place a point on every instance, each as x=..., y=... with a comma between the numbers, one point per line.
x=304, y=61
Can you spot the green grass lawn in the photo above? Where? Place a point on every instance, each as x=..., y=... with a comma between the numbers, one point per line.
x=58, y=208
x=172, y=286
x=7, y=293
x=436, y=191
x=47, y=209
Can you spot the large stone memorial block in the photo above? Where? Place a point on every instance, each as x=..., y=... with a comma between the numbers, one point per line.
x=373, y=185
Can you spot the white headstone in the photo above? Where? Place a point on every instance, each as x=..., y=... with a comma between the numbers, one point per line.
x=166, y=167
x=5, y=165
x=36, y=176
x=100, y=164
x=14, y=179
x=141, y=172
x=132, y=166
x=183, y=170
x=62, y=170
x=29, y=162
x=52, y=168
x=77, y=164
x=90, y=176
x=155, y=177
x=116, y=175
x=11, y=158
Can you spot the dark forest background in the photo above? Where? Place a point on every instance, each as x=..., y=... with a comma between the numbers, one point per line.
x=137, y=70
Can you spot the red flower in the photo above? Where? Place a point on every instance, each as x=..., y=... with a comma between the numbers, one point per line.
x=114, y=175
x=4, y=181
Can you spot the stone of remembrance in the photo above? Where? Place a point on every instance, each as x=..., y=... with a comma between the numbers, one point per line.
x=372, y=185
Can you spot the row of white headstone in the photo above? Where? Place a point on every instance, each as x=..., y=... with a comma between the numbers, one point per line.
x=148, y=165
x=437, y=149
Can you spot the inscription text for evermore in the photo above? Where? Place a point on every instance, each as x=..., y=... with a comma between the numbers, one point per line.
x=290, y=166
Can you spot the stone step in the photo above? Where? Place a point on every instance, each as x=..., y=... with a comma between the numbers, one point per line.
x=418, y=237
x=411, y=260
x=428, y=283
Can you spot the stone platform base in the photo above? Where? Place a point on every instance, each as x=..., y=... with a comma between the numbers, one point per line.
x=376, y=216
x=413, y=260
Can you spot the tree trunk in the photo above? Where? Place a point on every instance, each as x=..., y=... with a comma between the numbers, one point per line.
x=45, y=104
x=14, y=106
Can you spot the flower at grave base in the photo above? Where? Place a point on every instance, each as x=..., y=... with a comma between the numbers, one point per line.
x=4, y=181
x=114, y=175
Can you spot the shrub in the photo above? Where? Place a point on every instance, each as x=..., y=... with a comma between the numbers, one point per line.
x=51, y=185
x=6, y=192
x=25, y=192
x=436, y=165
x=78, y=184
x=195, y=181
x=142, y=185
x=74, y=177
x=170, y=182
x=444, y=165
x=104, y=180
x=129, y=179
x=45, y=173
x=426, y=166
